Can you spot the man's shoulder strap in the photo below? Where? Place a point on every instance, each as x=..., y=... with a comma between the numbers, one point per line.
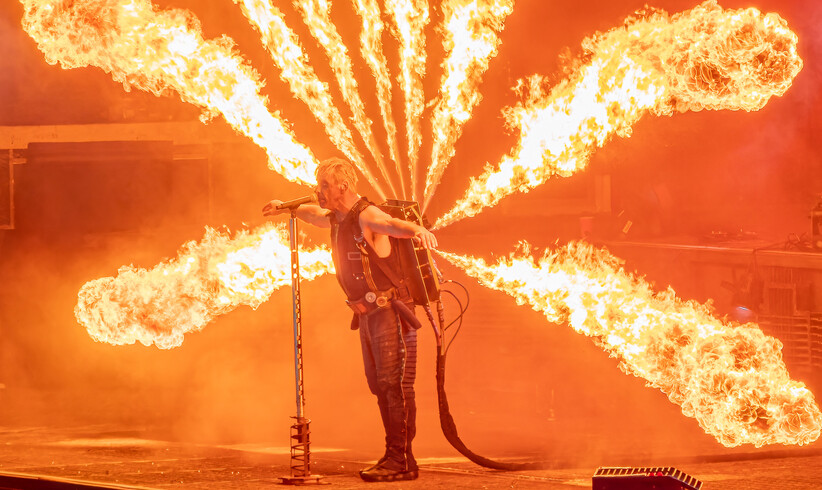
x=354, y=214
x=360, y=205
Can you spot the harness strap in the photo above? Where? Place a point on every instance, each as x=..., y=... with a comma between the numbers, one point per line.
x=366, y=266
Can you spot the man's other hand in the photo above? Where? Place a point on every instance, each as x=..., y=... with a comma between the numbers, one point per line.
x=425, y=238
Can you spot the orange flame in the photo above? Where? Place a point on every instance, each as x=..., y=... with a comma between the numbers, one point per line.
x=284, y=48
x=729, y=377
x=317, y=16
x=409, y=20
x=161, y=51
x=471, y=37
x=207, y=279
x=704, y=58
x=371, y=49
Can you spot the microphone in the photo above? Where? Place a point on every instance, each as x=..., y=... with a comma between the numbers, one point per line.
x=295, y=203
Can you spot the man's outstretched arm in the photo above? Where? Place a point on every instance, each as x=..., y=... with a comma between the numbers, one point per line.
x=379, y=222
x=310, y=213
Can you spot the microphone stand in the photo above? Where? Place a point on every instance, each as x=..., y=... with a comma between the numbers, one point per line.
x=300, y=444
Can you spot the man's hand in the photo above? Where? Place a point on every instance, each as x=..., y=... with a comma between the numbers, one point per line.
x=425, y=238
x=310, y=213
x=270, y=209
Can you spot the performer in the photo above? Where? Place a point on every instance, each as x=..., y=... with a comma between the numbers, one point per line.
x=369, y=273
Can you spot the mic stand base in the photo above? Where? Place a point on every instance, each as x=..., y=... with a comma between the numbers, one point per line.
x=303, y=480
x=301, y=455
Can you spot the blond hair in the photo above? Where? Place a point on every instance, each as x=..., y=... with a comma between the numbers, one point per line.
x=339, y=170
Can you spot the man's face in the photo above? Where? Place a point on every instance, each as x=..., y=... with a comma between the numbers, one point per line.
x=329, y=193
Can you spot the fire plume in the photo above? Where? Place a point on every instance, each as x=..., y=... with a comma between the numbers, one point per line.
x=317, y=16
x=163, y=51
x=207, y=279
x=704, y=58
x=285, y=50
x=409, y=20
x=470, y=35
x=372, y=53
x=728, y=376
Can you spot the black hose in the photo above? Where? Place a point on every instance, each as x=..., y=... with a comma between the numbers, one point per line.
x=449, y=428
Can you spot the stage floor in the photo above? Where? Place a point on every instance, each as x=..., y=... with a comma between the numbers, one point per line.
x=116, y=458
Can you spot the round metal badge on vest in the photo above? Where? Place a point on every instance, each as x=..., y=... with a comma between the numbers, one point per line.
x=382, y=301
x=370, y=296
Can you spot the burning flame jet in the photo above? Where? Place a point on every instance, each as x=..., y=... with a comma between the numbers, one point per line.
x=371, y=50
x=163, y=51
x=207, y=279
x=284, y=48
x=317, y=16
x=729, y=377
x=704, y=58
x=471, y=37
x=409, y=20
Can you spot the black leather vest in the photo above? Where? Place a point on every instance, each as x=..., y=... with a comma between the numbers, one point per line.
x=345, y=236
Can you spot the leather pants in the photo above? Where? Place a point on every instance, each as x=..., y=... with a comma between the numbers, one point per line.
x=389, y=350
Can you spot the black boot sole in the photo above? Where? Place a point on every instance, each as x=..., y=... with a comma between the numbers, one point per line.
x=399, y=476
